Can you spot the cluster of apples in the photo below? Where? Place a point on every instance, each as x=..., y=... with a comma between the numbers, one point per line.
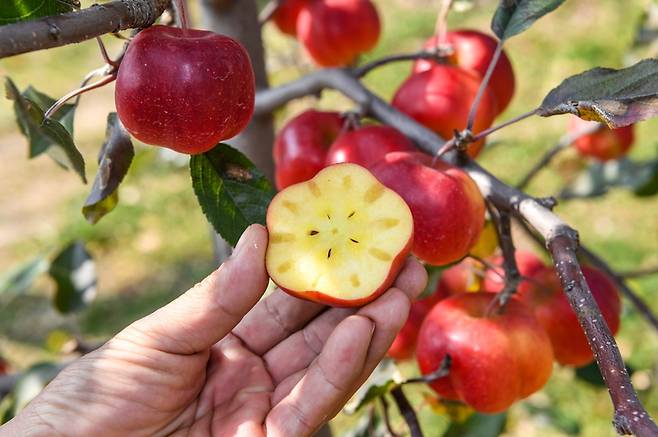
x=440, y=95
x=447, y=209
x=500, y=357
x=333, y=32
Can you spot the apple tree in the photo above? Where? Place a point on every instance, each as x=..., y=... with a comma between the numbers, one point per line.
x=359, y=190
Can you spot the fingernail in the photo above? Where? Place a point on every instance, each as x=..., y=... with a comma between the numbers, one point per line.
x=369, y=320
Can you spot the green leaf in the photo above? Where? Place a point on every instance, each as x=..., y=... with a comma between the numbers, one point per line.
x=514, y=16
x=381, y=381
x=367, y=426
x=478, y=425
x=20, y=279
x=614, y=97
x=74, y=272
x=30, y=384
x=597, y=179
x=20, y=10
x=232, y=192
x=114, y=159
x=49, y=135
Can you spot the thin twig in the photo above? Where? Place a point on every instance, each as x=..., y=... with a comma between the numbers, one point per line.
x=407, y=411
x=562, y=144
x=639, y=273
x=268, y=11
x=386, y=416
x=433, y=55
x=503, y=227
x=483, y=85
x=442, y=371
x=76, y=92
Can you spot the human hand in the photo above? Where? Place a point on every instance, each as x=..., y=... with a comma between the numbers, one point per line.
x=217, y=361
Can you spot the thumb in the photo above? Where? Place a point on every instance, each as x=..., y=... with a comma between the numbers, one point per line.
x=203, y=315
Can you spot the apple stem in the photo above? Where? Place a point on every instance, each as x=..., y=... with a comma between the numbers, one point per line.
x=564, y=142
x=77, y=92
x=441, y=26
x=181, y=11
x=442, y=371
x=268, y=11
x=483, y=85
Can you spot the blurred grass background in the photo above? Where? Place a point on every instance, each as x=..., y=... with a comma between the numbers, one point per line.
x=156, y=243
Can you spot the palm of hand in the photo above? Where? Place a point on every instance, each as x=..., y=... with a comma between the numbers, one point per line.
x=216, y=361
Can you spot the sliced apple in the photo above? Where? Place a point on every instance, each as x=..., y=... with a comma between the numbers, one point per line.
x=339, y=238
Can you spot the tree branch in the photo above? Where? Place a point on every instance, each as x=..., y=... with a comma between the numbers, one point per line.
x=407, y=411
x=432, y=55
x=77, y=26
x=562, y=144
x=503, y=226
x=561, y=239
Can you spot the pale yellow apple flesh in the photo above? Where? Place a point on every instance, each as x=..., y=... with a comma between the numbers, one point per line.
x=338, y=238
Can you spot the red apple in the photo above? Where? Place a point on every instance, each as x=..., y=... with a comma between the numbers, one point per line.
x=404, y=344
x=367, y=145
x=497, y=357
x=447, y=206
x=184, y=89
x=301, y=146
x=605, y=144
x=335, y=32
x=441, y=99
x=554, y=312
x=339, y=238
x=4, y=367
x=542, y=292
x=528, y=265
x=463, y=277
x=286, y=15
x=473, y=50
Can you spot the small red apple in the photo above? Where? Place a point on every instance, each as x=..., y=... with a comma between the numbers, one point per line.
x=404, y=344
x=441, y=98
x=286, y=15
x=301, y=146
x=447, y=206
x=605, y=144
x=339, y=238
x=473, y=51
x=528, y=265
x=4, y=367
x=542, y=291
x=335, y=32
x=497, y=357
x=554, y=312
x=367, y=145
x=184, y=89
x=463, y=277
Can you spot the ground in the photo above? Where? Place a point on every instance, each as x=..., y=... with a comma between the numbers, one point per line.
x=156, y=243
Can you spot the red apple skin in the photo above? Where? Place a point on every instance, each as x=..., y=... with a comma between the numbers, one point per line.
x=184, y=89
x=543, y=293
x=300, y=148
x=605, y=144
x=404, y=344
x=480, y=347
x=367, y=145
x=553, y=311
x=529, y=266
x=440, y=98
x=460, y=278
x=286, y=15
x=335, y=32
x=473, y=51
x=447, y=207
x=4, y=367
x=324, y=299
